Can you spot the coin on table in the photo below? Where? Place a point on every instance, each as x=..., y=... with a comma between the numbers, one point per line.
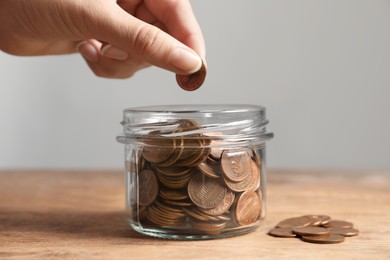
x=325, y=219
x=248, y=208
x=311, y=231
x=330, y=239
x=236, y=164
x=295, y=222
x=347, y=232
x=148, y=187
x=281, y=232
x=339, y=224
x=316, y=220
x=205, y=192
x=193, y=81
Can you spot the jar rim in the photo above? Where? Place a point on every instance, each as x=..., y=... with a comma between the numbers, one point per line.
x=236, y=122
x=196, y=108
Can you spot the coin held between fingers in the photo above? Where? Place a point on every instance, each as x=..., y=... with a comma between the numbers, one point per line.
x=185, y=60
x=193, y=81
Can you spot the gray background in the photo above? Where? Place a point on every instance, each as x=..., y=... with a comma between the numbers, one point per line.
x=322, y=69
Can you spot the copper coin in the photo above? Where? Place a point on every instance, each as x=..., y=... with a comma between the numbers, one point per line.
x=171, y=194
x=339, y=224
x=148, y=187
x=281, y=232
x=209, y=170
x=248, y=208
x=347, y=232
x=193, y=81
x=241, y=185
x=175, y=155
x=209, y=227
x=295, y=222
x=255, y=180
x=330, y=239
x=311, y=231
x=222, y=207
x=236, y=164
x=315, y=220
x=205, y=192
x=325, y=219
x=158, y=150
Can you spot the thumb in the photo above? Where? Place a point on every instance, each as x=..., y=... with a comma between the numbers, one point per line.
x=145, y=41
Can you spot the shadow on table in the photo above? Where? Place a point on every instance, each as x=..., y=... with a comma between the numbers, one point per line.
x=68, y=224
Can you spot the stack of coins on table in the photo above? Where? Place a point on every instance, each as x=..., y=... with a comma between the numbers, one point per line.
x=320, y=229
x=194, y=182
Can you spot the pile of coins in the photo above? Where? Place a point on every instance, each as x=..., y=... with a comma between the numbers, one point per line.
x=320, y=229
x=191, y=183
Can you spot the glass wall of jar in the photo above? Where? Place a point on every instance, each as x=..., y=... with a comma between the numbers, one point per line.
x=195, y=172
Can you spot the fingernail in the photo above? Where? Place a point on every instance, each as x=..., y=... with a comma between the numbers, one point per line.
x=185, y=60
x=88, y=51
x=114, y=53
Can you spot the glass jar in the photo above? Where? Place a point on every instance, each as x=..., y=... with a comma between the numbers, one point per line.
x=195, y=171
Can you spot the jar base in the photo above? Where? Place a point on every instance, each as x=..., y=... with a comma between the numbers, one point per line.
x=186, y=234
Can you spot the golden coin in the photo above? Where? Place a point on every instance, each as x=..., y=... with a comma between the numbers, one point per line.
x=248, y=208
x=295, y=222
x=222, y=207
x=157, y=150
x=281, y=232
x=148, y=187
x=236, y=164
x=330, y=239
x=193, y=81
x=209, y=170
x=338, y=224
x=311, y=231
x=347, y=232
x=205, y=192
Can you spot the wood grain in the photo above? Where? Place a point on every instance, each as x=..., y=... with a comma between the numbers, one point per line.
x=80, y=215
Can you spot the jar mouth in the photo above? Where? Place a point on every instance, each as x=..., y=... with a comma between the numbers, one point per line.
x=215, y=122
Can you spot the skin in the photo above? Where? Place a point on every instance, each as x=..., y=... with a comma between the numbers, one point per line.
x=139, y=33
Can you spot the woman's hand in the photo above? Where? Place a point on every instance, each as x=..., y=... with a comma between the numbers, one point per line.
x=116, y=38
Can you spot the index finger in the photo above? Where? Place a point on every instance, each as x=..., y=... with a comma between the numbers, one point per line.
x=180, y=21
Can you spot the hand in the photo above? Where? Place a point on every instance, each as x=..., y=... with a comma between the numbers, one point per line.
x=116, y=38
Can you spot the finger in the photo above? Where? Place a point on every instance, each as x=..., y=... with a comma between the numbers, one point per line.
x=180, y=21
x=107, y=67
x=145, y=15
x=143, y=41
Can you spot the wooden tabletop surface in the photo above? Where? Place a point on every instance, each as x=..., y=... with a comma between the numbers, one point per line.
x=80, y=215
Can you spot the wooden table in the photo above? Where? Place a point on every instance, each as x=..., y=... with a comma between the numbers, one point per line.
x=80, y=215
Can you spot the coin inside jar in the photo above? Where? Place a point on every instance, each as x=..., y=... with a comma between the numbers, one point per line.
x=248, y=208
x=236, y=164
x=205, y=192
x=148, y=187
